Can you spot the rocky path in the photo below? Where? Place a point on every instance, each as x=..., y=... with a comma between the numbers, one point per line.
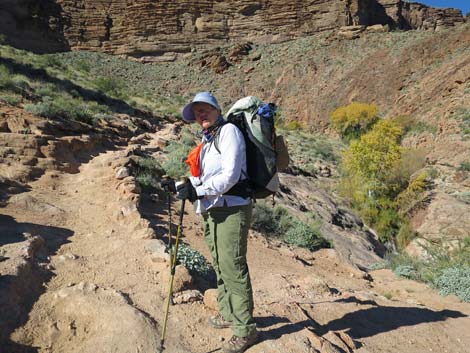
x=106, y=282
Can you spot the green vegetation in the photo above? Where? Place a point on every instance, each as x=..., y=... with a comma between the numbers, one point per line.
x=177, y=152
x=306, y=149
x=464, y=166
x=77, y=86
x=378, y=175
x=148, y=173
x=278, y=223
x=354, y=119
x=445, y=269
x=193, y=260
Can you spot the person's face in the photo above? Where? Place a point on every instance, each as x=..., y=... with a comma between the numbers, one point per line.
x=206, y=115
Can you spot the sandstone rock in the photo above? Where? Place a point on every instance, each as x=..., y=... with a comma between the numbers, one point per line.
x=210, y=299
x=417, y=248
x=129, y=209
x=122, y=173
x=182, y=280
x=315, y=286
x=167, y=57
x=83, y=317
x=159, y=28
x=157, y=250
x=378, y=28
x=445, y=219
x=187, y=296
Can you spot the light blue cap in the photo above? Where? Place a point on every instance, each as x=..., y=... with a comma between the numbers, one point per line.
x=201, y=97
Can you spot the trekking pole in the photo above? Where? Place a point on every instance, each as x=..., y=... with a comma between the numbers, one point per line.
x=173, y=268
x=169, y=223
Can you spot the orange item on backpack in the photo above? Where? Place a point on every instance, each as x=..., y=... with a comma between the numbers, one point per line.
x=194, y=161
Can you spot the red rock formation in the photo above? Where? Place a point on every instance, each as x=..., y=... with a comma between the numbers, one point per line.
x=150, y=28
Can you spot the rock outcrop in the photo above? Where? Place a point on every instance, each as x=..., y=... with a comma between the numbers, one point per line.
x=147, y=28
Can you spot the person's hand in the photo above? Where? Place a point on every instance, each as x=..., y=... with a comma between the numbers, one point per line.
x=168, y=185
x=186, y=191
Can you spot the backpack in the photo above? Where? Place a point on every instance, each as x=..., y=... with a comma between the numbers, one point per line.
x=255, y=120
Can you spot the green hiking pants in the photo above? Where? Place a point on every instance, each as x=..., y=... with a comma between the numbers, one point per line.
x=226, y=233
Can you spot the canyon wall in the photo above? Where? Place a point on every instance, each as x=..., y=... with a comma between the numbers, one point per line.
x=146, y=27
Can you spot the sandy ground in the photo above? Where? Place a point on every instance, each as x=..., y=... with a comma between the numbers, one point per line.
x=105, y=293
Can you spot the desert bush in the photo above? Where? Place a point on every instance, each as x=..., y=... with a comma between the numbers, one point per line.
x=10, y=98
x=305, y=236
x=454, y=280
x=111, y=86
x=177, y=153
x=82, y=65
x=420, y=127
x=67, y=108
x=193, y=260
x=278, y=223
x=464, y=166
x=6, y=82
x=48, y=60
x=412, y=193
x=447, y=270
x=405, y=235
x=463, y=196
x=353, y=120
x=148, y=172
x=268, y=220
x=406, y=271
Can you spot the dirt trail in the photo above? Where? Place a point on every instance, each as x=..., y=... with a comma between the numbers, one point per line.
x=105, y=293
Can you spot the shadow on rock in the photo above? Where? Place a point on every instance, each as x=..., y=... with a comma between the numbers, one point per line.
x=26, y=248
x=7, y=188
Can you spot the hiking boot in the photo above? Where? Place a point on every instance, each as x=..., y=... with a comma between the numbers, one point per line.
x=218, y=321
x=240, y=344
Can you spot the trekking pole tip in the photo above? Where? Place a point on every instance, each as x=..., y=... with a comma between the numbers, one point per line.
x=161, y=348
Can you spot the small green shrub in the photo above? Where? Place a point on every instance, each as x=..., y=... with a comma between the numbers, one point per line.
x=447, y=270
x=148, y=172
x=278, y=223
x=177, y=153
x=48, y=60
x=406, y=271
x=111, y=86
x=378, y=266
x=421, y=127
x=193, y=260
x=405, y=235
x=67, y=108
x=12, y=99
x=463, y=196
x=82, y=65
x=454, y=280
x=464, y=166
x=268, y=220
x=305, y=236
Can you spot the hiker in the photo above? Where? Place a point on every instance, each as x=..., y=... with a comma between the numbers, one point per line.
x=226, y=216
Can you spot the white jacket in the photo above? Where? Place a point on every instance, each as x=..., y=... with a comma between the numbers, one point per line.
x=221, y=171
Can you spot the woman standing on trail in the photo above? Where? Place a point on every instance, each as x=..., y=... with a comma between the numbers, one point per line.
x=216, y=168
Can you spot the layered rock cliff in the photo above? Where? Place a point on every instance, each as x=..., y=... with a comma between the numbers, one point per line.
x=145, y=27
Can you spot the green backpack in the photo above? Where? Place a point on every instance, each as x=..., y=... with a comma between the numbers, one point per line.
x=266, y=153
